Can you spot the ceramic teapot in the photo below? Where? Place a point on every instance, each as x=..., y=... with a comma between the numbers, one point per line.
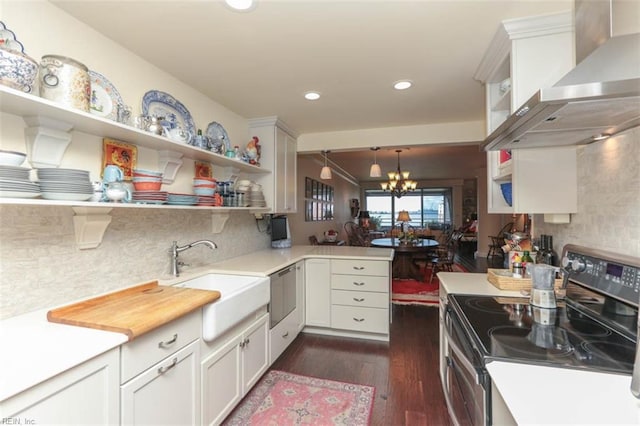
x=154, y=125
x=179, y=134
x=117, y=192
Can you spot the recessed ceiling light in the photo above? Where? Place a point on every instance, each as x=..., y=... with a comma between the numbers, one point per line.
x=402, y=84
x=241, y=5
x=312, y=96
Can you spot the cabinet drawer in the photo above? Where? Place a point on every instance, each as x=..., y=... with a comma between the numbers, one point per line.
x=360, y=283
x=371, y=320
x=282, y=335
x=360, y=298
x=360, y=267
x=156, y=345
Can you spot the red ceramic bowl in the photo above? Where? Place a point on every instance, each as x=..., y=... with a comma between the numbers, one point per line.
x=147, y=186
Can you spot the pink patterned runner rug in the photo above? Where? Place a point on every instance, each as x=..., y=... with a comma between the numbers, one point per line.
x=283, y=399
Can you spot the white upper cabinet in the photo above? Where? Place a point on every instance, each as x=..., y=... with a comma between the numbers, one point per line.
x=279, y=150
x=527, y=55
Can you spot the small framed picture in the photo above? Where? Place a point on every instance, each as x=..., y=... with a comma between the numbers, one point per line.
x=120, y=154
x=203, y=169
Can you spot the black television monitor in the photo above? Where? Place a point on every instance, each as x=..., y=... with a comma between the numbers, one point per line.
x=279, y=228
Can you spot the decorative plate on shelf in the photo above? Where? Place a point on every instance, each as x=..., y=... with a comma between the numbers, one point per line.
x=161, y=104
x=219, y=139
x=8, y=39
x=104, y=97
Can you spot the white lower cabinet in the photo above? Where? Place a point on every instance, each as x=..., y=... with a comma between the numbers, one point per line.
x=86, y=394
x=281, y=336
x=360, y=296
x=318, y=292
x=233, y=365
x=160, y=375
x=167, y=393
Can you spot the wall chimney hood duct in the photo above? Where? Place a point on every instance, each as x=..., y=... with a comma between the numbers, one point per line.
x=599, y=97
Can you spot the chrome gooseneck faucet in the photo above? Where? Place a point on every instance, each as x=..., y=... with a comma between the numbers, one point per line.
x=175, y=250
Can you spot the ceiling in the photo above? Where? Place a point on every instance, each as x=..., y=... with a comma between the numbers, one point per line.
x=260, y=63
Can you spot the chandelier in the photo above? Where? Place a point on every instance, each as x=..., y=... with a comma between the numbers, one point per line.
x=399, y=183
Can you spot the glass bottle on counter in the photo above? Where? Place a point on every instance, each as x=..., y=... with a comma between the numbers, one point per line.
x=549, y=256
x=526, y=261
x=542, y=249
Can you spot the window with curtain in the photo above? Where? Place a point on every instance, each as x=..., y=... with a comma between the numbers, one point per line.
x=427, y=207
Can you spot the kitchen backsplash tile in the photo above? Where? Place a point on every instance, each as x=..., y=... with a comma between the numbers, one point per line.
x=608, y=215
x=41, y=266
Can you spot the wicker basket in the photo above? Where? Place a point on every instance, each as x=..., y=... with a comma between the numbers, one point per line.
x=498, y=278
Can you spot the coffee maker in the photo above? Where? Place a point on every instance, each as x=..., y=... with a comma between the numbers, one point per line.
x=543, y=277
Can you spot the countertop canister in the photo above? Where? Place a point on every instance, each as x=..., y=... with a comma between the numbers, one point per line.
x=65, y=81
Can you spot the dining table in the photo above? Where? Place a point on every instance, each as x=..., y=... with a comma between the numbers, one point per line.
x=404, y=264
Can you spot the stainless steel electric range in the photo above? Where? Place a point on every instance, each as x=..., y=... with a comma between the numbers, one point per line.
x=593, y=328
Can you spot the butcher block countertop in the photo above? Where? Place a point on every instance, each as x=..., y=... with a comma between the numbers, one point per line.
x=134, y=311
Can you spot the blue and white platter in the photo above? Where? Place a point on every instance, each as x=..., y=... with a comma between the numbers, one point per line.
x=161, y=104
x=104, y=97
x=220, y=141
x=8, y=40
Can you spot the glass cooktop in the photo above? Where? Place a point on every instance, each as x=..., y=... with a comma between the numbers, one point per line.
x=510, y=329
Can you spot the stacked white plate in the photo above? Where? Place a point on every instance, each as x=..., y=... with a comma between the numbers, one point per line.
x=149, y=197
x=182, y=199
x=15, y=183
x=65, y=184
x=256, y=198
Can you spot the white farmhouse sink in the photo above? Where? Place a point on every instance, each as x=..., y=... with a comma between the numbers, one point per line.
x=240, y=295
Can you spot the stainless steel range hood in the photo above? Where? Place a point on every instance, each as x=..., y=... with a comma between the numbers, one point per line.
x=600, y=97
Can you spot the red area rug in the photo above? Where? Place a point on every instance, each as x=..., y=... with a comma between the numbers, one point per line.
x=282, y=399
x=412, y=292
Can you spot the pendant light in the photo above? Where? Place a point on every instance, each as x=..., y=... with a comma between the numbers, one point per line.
x=399, y=183
x=375, y=170
x=325, y=173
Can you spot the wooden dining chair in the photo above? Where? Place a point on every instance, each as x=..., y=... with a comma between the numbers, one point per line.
x=497, y=241
x=355, y=235
x=443, y=260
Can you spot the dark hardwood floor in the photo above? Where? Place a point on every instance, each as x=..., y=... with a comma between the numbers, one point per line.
x=404, y=371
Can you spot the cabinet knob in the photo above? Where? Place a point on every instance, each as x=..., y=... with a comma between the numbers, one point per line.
x=358, y=268
x=358, y=319
x=358, y=299
x=358, y=284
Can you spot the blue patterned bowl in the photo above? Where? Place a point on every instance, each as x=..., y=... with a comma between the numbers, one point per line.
x=17, y=70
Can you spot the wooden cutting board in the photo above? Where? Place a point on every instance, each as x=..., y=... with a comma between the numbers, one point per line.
x=134, y=311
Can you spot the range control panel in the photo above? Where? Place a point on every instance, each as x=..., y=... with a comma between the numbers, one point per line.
x=613, y=274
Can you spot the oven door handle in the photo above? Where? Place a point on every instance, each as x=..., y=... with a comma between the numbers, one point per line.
x=447, y=397
x=449, y=325
x=464, y=362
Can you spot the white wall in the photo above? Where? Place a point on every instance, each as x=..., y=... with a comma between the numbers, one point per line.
x=344, y=190
x=40, y=265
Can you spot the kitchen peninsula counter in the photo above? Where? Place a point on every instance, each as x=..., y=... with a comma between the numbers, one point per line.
x=263, y=263
x=36, y=349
